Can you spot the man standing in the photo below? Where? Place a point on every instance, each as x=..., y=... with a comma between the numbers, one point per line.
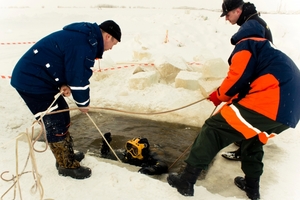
x=261, y=95
x=61, y=62
x=238, y=12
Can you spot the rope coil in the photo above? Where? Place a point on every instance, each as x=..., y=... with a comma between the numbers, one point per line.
x=36, y=176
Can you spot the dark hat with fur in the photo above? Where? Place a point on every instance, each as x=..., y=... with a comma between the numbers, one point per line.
x=229, y=5
x=111, y=28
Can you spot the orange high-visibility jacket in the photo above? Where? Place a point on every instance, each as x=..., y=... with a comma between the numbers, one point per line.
x=261, y=77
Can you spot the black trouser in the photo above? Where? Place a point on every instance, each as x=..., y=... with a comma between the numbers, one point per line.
x=56, y=125
x=216, y=134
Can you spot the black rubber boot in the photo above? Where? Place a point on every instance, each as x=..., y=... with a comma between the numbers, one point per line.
x=185, y=181
x=65, y=157
x=249, y=185
x=232, y=155
x=77, y=173
x=79, y=156
x=238, y=143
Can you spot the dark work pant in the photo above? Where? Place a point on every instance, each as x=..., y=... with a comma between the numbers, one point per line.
x=56, y=125
x=216, y=134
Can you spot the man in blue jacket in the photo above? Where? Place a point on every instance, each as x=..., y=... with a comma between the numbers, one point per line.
x=62, y=62
x=261, y=94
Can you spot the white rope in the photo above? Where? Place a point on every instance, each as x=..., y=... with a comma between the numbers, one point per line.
x=38, y=185
x=103, y=137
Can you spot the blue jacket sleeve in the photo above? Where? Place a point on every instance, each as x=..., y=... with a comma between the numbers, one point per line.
x=78, y=65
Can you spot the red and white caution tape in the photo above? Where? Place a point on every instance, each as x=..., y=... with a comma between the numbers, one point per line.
x=124, y=66
x=5, y=77
x=120, y=66
x=15, y=43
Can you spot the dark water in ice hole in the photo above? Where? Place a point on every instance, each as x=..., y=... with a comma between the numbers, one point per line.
x=168, y=140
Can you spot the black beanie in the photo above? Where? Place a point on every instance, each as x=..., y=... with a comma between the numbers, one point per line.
x=111, y=28
x=229, y=5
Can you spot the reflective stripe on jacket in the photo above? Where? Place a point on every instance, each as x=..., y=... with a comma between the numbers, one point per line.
x=261, y=77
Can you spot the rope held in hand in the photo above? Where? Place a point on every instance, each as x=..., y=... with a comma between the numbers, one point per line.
x=124, y=111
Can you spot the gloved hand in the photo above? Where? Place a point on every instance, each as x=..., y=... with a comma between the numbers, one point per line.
x=105, y=148
x=157, y=169
x=149, y=170
x=214, y=98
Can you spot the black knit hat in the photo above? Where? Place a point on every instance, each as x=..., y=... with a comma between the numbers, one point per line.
x=111, y=28
x=229, y=5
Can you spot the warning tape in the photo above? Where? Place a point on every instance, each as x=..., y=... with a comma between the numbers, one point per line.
x=194, y=63
x=5, y=77
x=121, y=66
x=15, y=43
x=125, y=66
x=105, y=69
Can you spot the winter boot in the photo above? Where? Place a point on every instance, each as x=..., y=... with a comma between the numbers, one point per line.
x=65, y=157
x=238, y=143
x=232, y=155
x=249, y=185
x=79, y=156
x=185, y=181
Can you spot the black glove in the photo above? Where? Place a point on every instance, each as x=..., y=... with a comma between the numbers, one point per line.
x=157, y=169
x=150, y=170
x=105, y=148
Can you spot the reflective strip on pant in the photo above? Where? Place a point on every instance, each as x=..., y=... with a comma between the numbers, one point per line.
x=263, y=137
x=234, y=118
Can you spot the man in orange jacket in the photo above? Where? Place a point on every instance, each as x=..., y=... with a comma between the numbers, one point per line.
x=261, y=94
x=238, y=12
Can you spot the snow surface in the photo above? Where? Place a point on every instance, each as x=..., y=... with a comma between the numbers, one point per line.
x=196, y=35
